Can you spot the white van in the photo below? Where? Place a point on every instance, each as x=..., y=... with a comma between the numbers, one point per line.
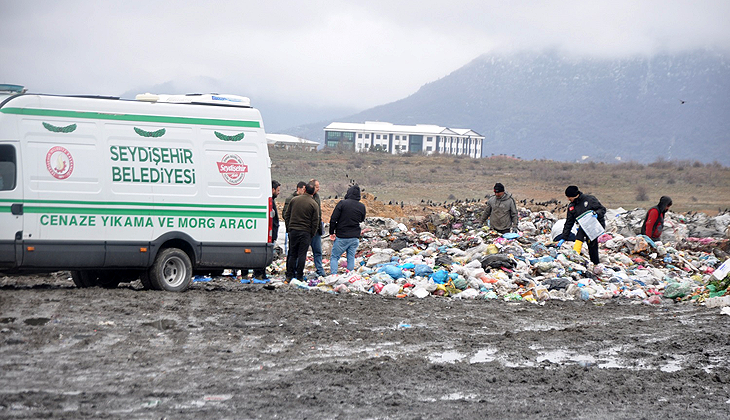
x=157, y=188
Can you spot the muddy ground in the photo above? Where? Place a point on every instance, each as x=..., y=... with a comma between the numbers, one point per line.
x=229, y=350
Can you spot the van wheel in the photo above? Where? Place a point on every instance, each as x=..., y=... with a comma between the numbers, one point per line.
x=84, y=279
x=145, y=279
x=171, y=271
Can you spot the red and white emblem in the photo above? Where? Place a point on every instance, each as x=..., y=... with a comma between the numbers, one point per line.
x=232, y=169
x=59, y=162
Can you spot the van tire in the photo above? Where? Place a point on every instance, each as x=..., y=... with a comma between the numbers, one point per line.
x=171, y=271
x=84, y=279
x=145, y=279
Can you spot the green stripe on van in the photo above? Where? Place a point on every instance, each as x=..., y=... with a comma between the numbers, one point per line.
x=131, y=203
x=128, y=117
x=142, y=212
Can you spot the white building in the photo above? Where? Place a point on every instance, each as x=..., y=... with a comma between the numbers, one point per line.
x=391, y=138
x=285, y=141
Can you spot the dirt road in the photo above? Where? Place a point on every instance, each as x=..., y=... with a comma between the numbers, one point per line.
x=229, y=350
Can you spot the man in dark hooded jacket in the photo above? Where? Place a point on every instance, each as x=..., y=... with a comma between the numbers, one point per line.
x=345, y=228
x=654, y=221
x=579, y=204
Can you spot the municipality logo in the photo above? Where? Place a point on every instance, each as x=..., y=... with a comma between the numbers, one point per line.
x=232, y=168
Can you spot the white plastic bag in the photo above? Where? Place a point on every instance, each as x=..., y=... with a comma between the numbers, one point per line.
x=590, y=224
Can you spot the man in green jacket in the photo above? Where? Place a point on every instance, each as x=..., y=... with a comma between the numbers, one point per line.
x=302, y=221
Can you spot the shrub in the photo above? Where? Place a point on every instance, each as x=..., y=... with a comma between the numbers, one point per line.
x=357, y=161
x=641, y=193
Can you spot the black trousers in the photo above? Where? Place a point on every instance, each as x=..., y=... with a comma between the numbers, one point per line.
x=592, y=246
x=299, y=242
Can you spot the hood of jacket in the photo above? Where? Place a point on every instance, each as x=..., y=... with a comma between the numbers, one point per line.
x=506, y=196
x=664, y=202
x=353, y=193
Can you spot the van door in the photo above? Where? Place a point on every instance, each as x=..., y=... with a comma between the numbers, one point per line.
x=11, y=207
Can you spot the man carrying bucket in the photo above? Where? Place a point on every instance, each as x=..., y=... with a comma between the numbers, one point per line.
x=590, y=215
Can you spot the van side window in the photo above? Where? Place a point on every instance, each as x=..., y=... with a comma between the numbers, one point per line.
x=7, y=167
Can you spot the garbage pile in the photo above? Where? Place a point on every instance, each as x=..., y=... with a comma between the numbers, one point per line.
x=451, y=254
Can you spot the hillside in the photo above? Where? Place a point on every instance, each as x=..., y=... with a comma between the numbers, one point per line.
x=547, y=106
x=410, y=179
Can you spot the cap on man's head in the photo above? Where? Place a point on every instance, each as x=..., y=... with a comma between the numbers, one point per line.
x=572, y=191
x=498, y=187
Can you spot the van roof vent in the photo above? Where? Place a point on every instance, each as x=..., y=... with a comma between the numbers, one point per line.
x=196, y=98
x=12, y=88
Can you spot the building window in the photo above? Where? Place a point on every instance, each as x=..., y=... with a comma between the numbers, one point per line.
x=428, y=148
x=367, y=136
x=377, y=136
x=429, y=138
x=359, y=135
x=397, y=137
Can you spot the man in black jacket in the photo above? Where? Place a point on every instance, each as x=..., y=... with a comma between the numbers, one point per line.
x=579, y=204
x=299, y=191
x=345, y=228
x=260, y=273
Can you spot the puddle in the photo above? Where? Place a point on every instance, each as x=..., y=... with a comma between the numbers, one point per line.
x=8, y=320
x=672, y=366
x=484, y=356
x=451, y=356
x=37, y=321
x=458, y=396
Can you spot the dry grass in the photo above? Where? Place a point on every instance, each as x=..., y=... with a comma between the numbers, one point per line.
x=411, y=178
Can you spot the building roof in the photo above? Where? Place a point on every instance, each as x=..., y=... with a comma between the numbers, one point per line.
x=285, y=138
x=386, y=127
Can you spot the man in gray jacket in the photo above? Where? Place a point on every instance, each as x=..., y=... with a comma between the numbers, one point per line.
x=501, y=211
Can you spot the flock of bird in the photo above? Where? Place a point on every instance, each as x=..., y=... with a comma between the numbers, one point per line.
x=556, y=204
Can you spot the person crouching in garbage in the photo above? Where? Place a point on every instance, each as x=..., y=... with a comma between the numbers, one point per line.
x=654, y=221
x=501, y=211
x=579, y=204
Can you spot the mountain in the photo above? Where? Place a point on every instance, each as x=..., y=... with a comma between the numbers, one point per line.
x=545, y=105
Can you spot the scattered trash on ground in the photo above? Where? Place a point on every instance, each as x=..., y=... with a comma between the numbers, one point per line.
x=451, y=254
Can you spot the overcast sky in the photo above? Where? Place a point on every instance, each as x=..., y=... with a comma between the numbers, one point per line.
x=336, y=53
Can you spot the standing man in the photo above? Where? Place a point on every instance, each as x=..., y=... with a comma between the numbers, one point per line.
x=299, y=191
x=260, y=273
x=302, y=220
x=501, y=211
x=579, y=204
x=345, y=228
x=317, y=238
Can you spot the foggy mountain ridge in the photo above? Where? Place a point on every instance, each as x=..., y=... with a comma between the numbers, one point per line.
x=545, y=105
